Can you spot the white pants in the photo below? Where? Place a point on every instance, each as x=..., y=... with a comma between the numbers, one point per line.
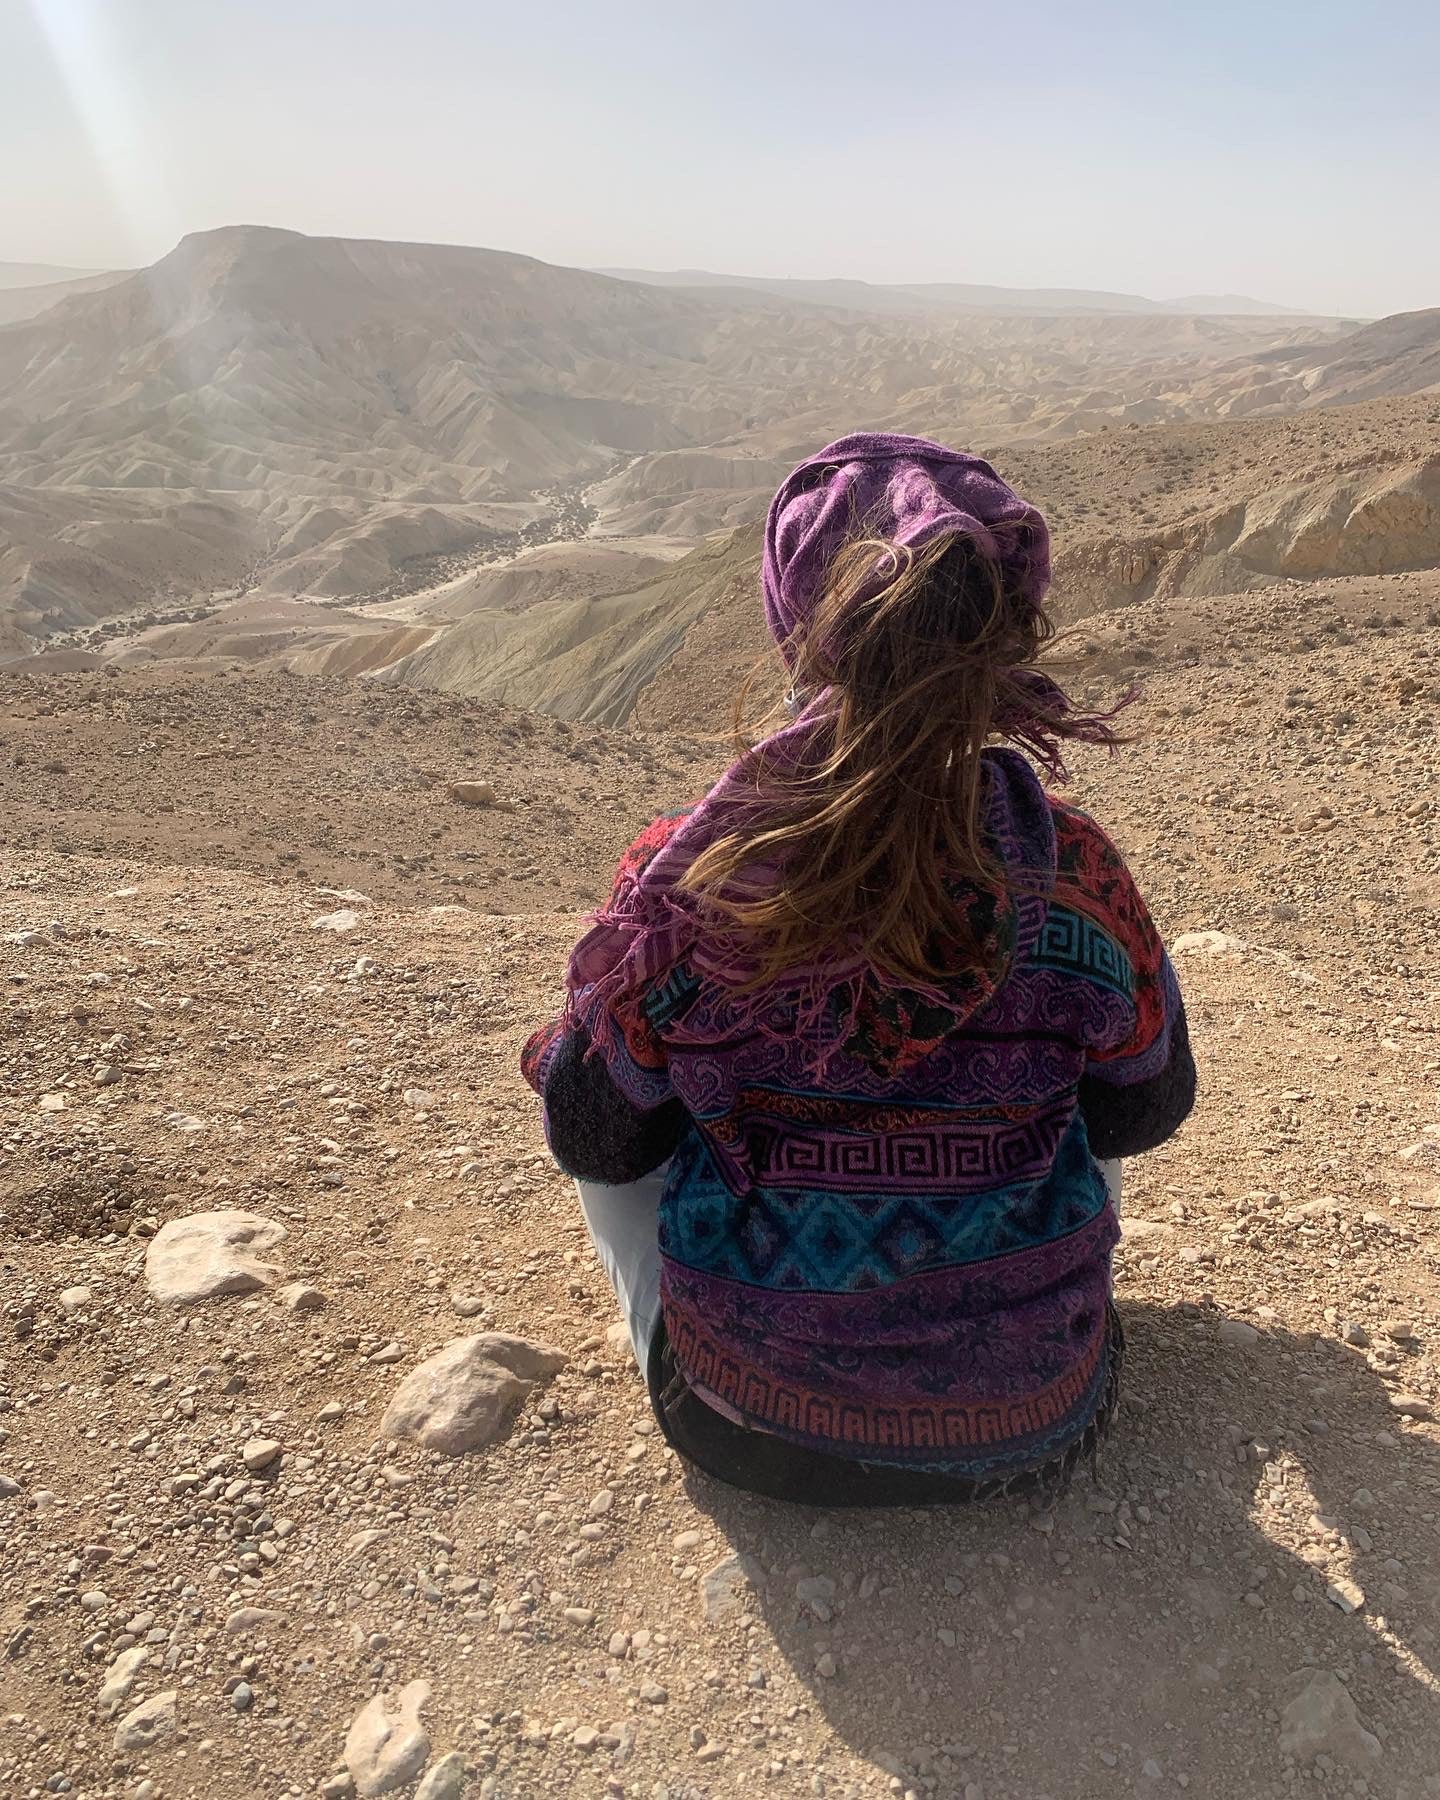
x=623, y=1224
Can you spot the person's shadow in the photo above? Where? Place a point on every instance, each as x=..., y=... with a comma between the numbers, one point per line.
x=1150, y=1632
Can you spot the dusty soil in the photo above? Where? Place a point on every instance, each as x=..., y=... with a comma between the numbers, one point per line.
x=178, y=1036
x=326, y=782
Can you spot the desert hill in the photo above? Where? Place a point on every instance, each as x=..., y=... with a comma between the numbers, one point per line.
x=583, y=628
x=589, y=658
x=370, y=410
x=1398, y=355
x=1164, y=512
x=258, y=959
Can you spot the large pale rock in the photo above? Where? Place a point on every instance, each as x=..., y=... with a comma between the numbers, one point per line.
x=119, y=1679
x=386, y=1747
x=460, y=1398
x=151, y=1723
x=209, y=1254
x=1321, y=1719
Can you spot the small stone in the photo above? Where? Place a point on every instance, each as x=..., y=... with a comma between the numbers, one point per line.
x=722, y=1589
x=618, y=1343
x=385, y=1748
x=688, y=1540
x=1345, y=1594
x=1322, y=1720
x=52, y=1103
x=119, y=1679
x=600, y=1505
x=74, y=1300
x=1238, y=1334
x=250, y=1619
x=460, y=1398
x=653, y=1694
x=95, y=1601
x=1410, y=1406
x=259, y=1453
x=585, y=1738
x=1206, y=943
x=580, y=1615
x=419, y=1099
x=473, y=793
x=825, y=1665
x=342, y=920
x=818, y=1593
x=337, y=1787
x=444, y=1780
x=1400, y=1331
x=300, y=1297
x=242, y=1696
x=467, y=1305
x=1351, y=1333
x=151, y=1723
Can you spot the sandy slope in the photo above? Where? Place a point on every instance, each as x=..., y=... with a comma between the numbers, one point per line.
x=206, y=1046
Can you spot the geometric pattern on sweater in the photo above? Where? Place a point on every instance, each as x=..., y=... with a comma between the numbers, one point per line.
x=978, y=1439
x=980, y=1369
x=824, y=1241
x=1076, y=945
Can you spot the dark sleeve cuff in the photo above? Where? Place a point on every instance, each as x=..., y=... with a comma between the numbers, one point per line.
x=595, y=1133
x=1126, y=1121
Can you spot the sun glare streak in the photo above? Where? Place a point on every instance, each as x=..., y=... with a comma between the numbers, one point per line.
x=91, y=60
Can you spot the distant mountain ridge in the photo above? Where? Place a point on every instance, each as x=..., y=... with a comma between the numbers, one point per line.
x=20, y=274
x=343, y=420
x=949, y=296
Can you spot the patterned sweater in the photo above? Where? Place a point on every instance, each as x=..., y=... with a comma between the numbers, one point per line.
x=905, y=1260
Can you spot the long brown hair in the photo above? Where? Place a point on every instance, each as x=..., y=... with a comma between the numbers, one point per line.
x=865, y=853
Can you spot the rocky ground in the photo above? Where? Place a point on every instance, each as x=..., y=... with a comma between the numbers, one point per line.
x=233, y=1562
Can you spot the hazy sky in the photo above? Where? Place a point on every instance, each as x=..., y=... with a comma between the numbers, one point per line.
x=1287, y=150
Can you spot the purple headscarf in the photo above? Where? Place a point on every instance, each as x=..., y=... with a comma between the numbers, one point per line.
x=904, y=491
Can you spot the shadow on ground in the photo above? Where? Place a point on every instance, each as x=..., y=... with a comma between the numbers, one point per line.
x=1150, y=1632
